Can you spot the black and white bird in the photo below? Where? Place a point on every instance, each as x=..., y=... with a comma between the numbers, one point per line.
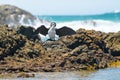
x=52, y=31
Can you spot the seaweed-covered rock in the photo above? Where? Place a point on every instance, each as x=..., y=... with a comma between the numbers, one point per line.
x=87, y=49
x=113, y=43
x=55, y=47
x=12, y=43
x=25, y=75
x=16, y=49
x=92, y=39
x=9, y=41
x=84, y=50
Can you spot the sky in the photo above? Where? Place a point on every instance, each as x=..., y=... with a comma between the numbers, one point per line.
x=65, y=7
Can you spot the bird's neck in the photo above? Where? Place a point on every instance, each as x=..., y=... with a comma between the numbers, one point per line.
x=52, y=28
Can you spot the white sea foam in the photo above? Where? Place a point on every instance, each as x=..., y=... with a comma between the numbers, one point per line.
x=98, y=25
x=23, y=20
x=28, y=22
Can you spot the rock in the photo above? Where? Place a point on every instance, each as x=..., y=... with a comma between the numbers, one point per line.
x=26, y=75
x=14, y=16
x=16, y=49
x=55, y=47
x=113, y=43
x=12, y=43
x=9, y=41
x=86, y=50
x=90, y=38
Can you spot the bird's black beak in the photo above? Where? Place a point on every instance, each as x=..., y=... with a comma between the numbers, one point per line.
x=53, y=24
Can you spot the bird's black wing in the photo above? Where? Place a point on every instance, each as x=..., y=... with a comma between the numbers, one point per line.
x=65, y=31
x=42, y=30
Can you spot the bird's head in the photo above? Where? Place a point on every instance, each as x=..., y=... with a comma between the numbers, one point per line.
x=53, y=24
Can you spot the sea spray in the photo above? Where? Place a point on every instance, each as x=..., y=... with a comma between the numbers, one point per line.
x=107, y=22
x=94, y=24
x=98, y=25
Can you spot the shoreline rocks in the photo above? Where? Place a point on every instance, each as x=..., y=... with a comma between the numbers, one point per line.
x=88, y=49
x=112, y=41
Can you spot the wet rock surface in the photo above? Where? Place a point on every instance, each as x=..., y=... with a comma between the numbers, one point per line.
x=85, y=50
x=25, y=75
x=113, y=43
x=16, y=49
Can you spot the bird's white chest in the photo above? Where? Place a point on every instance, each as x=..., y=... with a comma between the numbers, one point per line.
x=51, y=32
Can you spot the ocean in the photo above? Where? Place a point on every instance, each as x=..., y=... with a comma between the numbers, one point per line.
x=101, y=74
x=107, y=22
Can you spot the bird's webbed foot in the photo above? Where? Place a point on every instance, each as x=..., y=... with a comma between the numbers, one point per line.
x=50, y=40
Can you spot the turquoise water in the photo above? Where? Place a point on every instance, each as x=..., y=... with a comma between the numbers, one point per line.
x=102, y=74
x=67, y=18
x=108, y=22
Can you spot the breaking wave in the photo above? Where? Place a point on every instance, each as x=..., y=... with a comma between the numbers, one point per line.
x=98, y=25
x=23, y=20
x=108, y=24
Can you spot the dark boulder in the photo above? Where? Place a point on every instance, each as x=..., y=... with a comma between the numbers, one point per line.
x=29, y=32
